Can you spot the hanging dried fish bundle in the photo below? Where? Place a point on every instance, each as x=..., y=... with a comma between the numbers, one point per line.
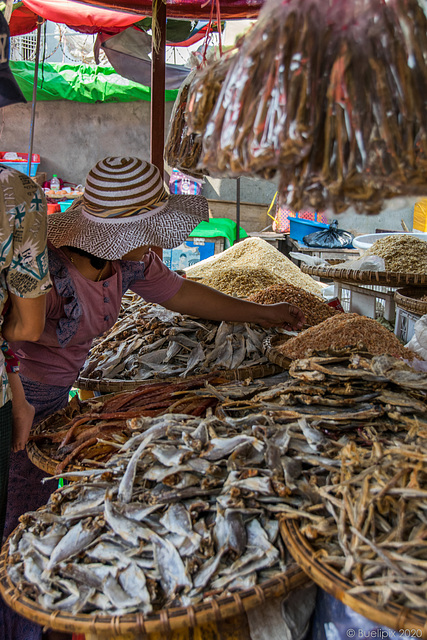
x=334, y=97
x=204, y=90
x=183, y=148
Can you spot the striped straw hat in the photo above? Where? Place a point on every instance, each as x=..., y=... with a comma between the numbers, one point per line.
x=125, y=205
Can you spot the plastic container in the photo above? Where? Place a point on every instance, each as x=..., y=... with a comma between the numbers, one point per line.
x=54, y=183
x=22, y=163
x=300, y=228
x=404, y=327
x=366, y=241
x=64, y=204
x=370, y=301
x=420, y=215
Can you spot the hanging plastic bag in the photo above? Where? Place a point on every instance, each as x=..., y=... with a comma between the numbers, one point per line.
x=310, y=261
x=331, y=238
x=366, y=263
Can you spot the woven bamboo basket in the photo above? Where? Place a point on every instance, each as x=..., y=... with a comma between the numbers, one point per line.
x=63, y=416
x=392, y=615
x=273, y=354
x=109, y=385
x=215, y=619
x=379, y=278
x=408, y=299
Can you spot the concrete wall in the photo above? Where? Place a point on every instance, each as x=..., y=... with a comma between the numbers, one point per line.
x=71, y=137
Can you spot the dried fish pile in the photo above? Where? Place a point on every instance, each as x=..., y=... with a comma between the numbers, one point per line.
x=330, y=97
x=88, y=434
x=313, y=307
x=177, y=515
x=365, y=503
x=152, y=342
x=343, y=331
x=355, y=463
x=402, y=253
x=254, y=256
x=186, y=509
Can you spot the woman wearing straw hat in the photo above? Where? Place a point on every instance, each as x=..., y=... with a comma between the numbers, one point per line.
x=98, y=249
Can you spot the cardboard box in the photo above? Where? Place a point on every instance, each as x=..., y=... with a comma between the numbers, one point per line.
x=40, y=177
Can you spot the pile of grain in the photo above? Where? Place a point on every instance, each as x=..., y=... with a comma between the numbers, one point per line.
x=314, y=309
x=240, y=281
x=249, y=266
x=402, y=253
x=342, y=331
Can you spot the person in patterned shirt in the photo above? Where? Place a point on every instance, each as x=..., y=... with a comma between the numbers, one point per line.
x=24, y=277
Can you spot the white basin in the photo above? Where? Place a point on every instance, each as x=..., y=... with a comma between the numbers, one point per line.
x=366, y=242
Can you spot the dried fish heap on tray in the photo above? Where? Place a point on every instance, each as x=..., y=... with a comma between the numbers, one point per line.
x=154, y=342
x=314, y=308
x=363, y=493
x=250, y=266
x=402, y=253
x=341, y=332
x=331, y=96
x=352, y=448
x=186, y=509
x=180, y=513
x=89, y=433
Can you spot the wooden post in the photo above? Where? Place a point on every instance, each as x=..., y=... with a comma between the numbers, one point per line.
x=158, y=71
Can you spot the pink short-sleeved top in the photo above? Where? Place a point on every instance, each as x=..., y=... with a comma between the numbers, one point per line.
x=78, y=310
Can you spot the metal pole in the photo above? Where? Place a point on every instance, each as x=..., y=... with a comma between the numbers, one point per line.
x=237, y=209
x=33, y=107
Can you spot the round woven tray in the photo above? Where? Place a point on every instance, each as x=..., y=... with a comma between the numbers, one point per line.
x=109, y=385
x=393, y=616
x=408, y=299
x=390, y=278
x=273, y=354
x=61, y=417
x=165, y=621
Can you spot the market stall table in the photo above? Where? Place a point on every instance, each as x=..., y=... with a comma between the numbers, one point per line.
x=276, y=240
x=335, y=255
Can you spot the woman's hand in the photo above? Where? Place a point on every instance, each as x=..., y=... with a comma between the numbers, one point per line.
x=283, y=315
x=198, y=300
x=23, y=415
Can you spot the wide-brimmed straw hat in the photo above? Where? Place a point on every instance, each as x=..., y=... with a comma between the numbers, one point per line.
x=125, y=205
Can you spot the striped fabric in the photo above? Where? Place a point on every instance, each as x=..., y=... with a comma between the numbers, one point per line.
x=123, y=187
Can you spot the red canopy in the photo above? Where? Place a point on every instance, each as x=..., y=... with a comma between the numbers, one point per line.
x=89, y=19
x=190, y=9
